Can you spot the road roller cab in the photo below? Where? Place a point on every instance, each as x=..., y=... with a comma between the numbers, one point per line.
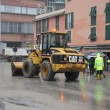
x=53, y=56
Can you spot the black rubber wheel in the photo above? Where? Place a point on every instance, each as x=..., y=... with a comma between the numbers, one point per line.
x=16, y=71
x=29, y=69
x=71, y=76
x=46, y=71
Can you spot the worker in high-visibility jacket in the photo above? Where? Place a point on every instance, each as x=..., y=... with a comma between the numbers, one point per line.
x=86, y=62
x=99, y=65
x=108, y=60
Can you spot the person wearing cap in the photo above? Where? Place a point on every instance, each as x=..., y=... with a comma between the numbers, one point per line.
x=99, y=65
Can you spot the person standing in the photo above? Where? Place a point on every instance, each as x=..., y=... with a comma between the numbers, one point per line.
x=86, y=62
x=99, y=65
x=91, y=65
x=108, y=64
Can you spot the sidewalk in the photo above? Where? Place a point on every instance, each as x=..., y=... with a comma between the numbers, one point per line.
x=107, y=73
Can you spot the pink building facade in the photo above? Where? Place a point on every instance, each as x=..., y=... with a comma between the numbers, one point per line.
x=49, y=21
x=87, y=24
x=83, y=13
x=17, y=18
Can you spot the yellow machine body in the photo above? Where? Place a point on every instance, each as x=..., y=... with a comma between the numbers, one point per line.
x=18, y=65
x=71, y=66
x=68, y=67
x=55, y=60
x=35, y=57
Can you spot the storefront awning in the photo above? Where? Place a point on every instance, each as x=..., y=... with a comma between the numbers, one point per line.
x=102, y=48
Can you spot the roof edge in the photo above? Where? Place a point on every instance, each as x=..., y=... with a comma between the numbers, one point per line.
x=50, y=14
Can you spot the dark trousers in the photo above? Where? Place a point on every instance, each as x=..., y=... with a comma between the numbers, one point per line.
x=91, y=70
x=100, y=72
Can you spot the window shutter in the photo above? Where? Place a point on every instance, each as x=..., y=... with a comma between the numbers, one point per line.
x=93, y=15
x=36, y=26
x=42, y=25
x=94, y=11
x=72, y=19
x=107, y=12
x=69, y=36
x=92, y=36
x=57, y=22
x=66, y=21
x=107, y=32
x=47, y=25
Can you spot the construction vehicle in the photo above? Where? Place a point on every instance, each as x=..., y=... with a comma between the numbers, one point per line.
x=53, y=56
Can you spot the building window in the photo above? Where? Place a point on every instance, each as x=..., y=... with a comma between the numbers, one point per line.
x=13, y=44
x=69, y=21
x=31, y=11
x=93, y=14
x=69, y=36
x=49, y=3
x=2, y=8
x=57, y=22
x=18, y=10
x=92, y=36
x=38, y=27
x=27, y=28
x=107, y=13
x=45, y=25
x=9, y=9
x=107, y=34
x=23, y=10
x=17, y=28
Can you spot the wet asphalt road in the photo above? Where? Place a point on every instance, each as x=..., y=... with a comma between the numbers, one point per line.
x=19, y=93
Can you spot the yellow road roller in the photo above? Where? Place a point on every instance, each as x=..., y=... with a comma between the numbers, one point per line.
x=53, y=56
